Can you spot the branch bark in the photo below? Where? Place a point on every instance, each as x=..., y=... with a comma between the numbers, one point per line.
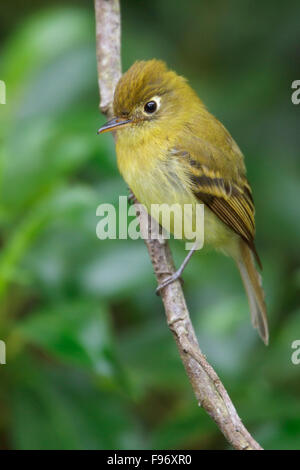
x=208, y=388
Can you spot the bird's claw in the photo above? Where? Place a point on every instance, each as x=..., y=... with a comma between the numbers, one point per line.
x=131, y=198
x=174, y=277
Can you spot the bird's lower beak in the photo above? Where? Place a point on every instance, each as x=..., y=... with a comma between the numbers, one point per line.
x=114, y=124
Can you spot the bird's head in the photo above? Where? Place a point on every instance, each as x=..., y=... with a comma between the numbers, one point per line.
x=149, y=97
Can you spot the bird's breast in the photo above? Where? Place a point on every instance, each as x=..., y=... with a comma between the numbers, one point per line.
x=153, y=175
x=157, y=177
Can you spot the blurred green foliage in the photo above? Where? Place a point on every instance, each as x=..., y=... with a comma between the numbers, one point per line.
x=90, y=361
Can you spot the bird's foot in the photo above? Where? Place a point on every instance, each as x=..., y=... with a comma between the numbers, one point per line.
x=174, y=277
x=131, y=198
x=178, y=273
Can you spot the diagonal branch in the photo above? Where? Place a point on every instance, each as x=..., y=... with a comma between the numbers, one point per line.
x=209, y=390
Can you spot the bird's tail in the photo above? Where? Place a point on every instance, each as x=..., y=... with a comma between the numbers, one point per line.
x=253, y=286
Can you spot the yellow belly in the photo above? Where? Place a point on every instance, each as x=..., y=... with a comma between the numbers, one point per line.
x=155, y=180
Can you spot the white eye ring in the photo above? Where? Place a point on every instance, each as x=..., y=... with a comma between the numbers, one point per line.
x=153, y=105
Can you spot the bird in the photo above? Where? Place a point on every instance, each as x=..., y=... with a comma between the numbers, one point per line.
x=172, y=150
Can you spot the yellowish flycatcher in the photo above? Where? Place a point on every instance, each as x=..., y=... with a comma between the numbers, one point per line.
x=171, y=150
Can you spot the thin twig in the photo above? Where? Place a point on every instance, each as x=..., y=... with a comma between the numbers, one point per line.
x=209, y=390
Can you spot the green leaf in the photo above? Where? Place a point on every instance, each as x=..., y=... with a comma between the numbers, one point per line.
x=60, y=408
x=78, y=333
x=42, y=37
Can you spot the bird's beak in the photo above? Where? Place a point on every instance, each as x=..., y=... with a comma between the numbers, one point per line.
x=114, y=124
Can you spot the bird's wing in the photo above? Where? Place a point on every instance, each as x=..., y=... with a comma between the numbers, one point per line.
x=230, y=199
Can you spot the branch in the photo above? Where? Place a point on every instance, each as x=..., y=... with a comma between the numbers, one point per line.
x=108, y=50
x=209, y=390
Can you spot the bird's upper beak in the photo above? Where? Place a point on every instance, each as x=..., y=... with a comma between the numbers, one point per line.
x=114, y=124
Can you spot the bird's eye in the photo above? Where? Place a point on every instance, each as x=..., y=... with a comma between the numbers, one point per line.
x=150, y=107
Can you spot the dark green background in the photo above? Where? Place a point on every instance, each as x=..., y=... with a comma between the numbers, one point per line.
x=90, y=361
